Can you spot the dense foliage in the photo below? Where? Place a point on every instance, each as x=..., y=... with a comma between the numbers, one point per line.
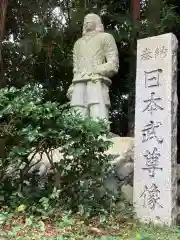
x=33, y=129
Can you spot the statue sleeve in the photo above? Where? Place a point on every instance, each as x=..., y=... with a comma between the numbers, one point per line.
x=111, y=66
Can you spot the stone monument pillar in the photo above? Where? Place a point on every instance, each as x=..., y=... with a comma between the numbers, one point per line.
x=155, y=166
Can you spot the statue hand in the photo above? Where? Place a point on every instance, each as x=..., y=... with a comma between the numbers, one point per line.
x=69, y=92
x=96, y=72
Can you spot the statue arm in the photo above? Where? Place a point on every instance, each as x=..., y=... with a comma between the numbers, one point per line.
x=111, y=66
x=69, y=92
x=75, y=58
x=70, y=89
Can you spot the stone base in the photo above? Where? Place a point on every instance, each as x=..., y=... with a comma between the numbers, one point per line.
x=122, y=148
x=122, y=180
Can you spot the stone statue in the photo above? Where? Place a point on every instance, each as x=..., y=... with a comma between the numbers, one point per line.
x=95, y=60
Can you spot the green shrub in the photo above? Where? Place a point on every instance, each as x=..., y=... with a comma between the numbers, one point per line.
x=29, y=125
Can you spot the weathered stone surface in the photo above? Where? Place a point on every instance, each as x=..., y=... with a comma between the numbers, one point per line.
x=178, y=190
x=43, y=165
x=155, y=177
x=123, y=164
x=127, y=191
x=123, y=148
x=112, y=185
x=178, y=216
x=125, y=170
x=178, y=171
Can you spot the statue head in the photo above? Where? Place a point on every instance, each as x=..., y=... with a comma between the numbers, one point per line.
x=92, y=22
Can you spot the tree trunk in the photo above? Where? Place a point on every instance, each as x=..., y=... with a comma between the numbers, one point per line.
x=154, y=7
x=3, y=10
x=135, y=10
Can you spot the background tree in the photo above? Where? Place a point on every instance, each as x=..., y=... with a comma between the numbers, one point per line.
x=3, y=10
x=43, y=34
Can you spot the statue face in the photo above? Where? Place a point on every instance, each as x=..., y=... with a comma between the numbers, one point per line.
x=89, y=23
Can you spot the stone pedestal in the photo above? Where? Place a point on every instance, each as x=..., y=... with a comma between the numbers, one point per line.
x=155, y=177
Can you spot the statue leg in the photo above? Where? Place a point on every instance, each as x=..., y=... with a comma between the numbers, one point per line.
x=82, y=110
x=97, y=99
x=96, y=111
x=78, y=100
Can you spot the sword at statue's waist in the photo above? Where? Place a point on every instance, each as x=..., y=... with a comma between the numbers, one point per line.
x=91, y=77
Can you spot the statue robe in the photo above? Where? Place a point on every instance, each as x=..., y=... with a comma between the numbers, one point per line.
x=95, y=60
